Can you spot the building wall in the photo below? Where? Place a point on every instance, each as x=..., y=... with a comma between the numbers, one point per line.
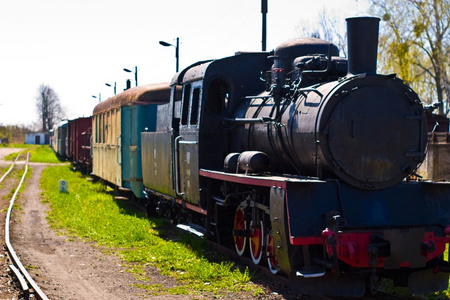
x=40, y=138
x=436, y=166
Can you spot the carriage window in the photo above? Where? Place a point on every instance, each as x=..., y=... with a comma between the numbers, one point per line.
x=100, y=128
x=108, y=128
x=113, y=127
x=195, y=105
x=218, y=96
x=184, y=113
x=117, y=125
x=176, y=96
x=95, y=129
x=103, y=128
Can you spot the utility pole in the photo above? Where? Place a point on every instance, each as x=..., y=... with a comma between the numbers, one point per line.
x=264, y=23
x=177, y=50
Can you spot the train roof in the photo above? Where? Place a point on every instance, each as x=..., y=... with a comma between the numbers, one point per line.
x=197, y=70
x=61, y=123
x=79, y=119
x=140, y=95
x=178, y=78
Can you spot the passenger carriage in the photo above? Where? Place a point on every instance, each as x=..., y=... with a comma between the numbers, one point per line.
x=116, y=140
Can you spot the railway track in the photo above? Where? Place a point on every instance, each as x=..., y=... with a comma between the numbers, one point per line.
x=282, y=282
x=12, y=167
x=27, y=284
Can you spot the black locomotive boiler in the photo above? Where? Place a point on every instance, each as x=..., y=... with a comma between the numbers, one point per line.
x=307, y=170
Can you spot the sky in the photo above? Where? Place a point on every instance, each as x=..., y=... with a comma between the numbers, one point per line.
x=76, y=47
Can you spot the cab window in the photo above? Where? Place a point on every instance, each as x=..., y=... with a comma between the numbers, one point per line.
x=185, y=107
x=218, y=96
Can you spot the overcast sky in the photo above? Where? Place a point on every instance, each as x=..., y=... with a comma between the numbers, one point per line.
x=76, y=47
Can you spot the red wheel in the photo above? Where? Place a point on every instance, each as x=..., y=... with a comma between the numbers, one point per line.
x=239, y=227
x=272, y=261
x=256, y=242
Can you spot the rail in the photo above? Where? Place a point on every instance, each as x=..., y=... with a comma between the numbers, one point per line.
x=12, y=166
x=17, y=267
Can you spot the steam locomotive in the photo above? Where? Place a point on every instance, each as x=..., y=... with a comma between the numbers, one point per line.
x=299, y=158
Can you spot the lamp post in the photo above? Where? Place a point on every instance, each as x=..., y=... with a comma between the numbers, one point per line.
x=107, y=84
x=135, y=73
x=264, y=24
x=177, y=50
x=99, y=97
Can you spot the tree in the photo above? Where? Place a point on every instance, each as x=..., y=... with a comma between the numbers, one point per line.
x=415, y=42
x=48, y=107
x=330, y=27
x=13, y=133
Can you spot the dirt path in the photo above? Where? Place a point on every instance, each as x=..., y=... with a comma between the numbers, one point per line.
x=64, y=267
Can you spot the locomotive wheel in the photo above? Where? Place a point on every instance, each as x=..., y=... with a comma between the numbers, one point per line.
x=272, y=261
x=256, y=242
x=239, y=227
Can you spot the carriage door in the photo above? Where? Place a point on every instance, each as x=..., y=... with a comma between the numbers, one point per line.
x=126, y=141
x=187, y=143
x=133, y=120
x=114, y=158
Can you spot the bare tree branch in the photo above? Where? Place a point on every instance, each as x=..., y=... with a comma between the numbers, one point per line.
x=48, y=107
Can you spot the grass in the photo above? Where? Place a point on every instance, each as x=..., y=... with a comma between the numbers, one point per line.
x=3, y=171
x=25, y=146
x=13, y=156
x=89, y=211
x=17, y=174
x=38, y=153
x=43, y=154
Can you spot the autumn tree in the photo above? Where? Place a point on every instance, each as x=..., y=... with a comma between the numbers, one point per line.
x=48, y=107
x=415, y=43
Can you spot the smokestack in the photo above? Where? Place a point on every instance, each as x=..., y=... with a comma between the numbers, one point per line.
x=362, y=39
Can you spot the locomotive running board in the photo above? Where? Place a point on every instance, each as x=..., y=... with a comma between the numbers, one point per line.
x=345, y=285
x=198, y=231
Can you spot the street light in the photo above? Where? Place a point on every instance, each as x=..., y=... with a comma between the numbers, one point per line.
x=135, y=73
x=177, y=49
x=99, y=97
x=107, y=84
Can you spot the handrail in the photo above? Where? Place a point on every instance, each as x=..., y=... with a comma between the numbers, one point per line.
x=177, y=166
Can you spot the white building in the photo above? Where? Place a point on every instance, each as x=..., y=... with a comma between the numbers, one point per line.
x=38, y=138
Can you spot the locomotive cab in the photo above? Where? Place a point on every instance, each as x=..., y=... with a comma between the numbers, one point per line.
x=210, y=92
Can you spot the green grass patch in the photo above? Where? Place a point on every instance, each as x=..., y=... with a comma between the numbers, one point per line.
x=89, y=211
x=43, y=154
x=17, y=174
x=25, y=146
x=13, y=156
x=31, y=267
x=38, y=153
x=3, y=171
